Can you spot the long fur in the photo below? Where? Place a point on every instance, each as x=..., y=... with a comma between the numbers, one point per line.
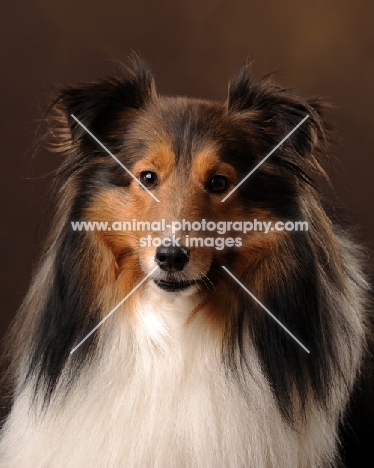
x=198, y=379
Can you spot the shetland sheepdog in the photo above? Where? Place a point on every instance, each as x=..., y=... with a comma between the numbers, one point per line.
x=136, y=348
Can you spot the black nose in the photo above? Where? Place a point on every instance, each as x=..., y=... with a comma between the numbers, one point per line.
x=172, y=258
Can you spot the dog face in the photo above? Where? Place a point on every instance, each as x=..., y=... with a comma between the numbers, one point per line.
x=189, y=154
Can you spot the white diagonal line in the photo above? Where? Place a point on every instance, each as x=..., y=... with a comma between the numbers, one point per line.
x=265, y=158
x=114, y=157
x=113, y=310
x=266, y=310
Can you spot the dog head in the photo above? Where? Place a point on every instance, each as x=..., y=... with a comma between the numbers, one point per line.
x=136, y=156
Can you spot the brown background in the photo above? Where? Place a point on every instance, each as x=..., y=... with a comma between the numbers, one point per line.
x=324, y=47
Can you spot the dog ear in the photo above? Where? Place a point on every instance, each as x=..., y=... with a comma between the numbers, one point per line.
x=96, y=105
x=274, y=112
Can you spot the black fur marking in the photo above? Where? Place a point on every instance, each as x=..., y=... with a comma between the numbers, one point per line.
x=276, y=111
x=98, y=105
x=69, y=314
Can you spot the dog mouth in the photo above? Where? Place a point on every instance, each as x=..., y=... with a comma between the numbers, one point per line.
x=174, y=286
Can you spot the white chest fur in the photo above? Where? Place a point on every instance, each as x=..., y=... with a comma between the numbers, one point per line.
x=158, y=396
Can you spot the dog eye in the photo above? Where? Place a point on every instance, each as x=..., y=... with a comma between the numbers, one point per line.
x=217, y=184
x=149, y=179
